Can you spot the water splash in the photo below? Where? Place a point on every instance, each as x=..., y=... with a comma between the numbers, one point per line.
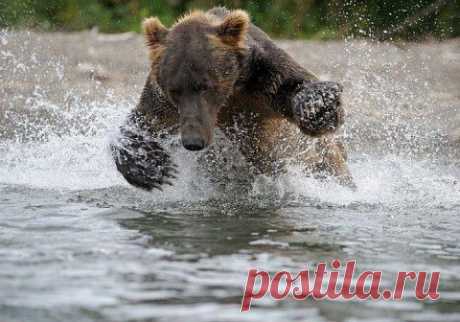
x=55, y=135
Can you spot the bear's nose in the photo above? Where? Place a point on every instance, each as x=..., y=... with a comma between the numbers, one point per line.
x=193, y=143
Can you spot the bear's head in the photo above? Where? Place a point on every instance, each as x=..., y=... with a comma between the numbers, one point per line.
x=196, y=64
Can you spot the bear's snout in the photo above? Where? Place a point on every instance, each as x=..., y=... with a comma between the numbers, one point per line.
x=196, y=124
x=196, y=133
x=193, y=143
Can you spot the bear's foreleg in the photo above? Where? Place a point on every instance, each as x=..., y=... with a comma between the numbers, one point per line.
x=140, y=158
x=333, y=161
x=137, y=152
x=316, y=107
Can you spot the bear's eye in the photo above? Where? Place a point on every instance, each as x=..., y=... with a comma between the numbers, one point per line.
x=201, y=87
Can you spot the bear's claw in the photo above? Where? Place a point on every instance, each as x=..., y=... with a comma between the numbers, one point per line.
x=142, y=161
x=317, y=107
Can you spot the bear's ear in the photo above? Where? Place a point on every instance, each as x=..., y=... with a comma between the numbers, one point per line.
x=154, y=32
x=234, y=27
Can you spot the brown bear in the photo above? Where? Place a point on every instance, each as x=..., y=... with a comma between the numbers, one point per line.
x=216, y=69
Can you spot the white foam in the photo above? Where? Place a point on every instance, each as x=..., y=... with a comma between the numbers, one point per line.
x=384, y=180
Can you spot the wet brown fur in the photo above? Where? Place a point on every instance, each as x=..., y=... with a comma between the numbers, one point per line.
x=266, y=132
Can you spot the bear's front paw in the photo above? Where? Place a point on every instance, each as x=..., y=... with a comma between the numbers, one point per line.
x=317, y=107
x=142, y=161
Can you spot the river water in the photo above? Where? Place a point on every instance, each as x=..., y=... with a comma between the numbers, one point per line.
x=79, y=244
